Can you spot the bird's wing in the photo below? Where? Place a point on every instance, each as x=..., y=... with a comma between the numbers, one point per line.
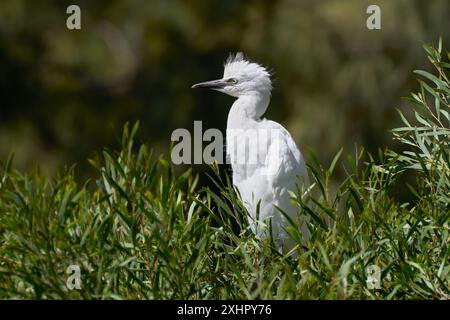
x=285, y=168
x=284, y=162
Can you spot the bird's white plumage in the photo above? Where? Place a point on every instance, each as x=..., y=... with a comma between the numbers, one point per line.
x=279, y=165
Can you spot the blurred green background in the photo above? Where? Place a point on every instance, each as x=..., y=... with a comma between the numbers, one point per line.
x=66, y=94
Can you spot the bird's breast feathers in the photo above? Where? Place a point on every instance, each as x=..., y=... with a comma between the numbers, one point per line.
x=266, y=152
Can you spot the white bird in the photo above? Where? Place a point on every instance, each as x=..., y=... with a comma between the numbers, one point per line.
x=265, y=160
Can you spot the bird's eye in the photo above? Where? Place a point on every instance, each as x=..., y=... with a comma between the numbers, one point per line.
x=232, y=81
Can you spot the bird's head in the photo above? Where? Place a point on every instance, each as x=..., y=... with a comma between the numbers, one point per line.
x=240, y=77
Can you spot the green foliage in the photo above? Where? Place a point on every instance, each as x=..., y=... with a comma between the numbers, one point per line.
x=428, y=137
x=139, y=231
x=136, y=233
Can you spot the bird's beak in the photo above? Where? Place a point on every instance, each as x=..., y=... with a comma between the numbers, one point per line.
x=214, y=84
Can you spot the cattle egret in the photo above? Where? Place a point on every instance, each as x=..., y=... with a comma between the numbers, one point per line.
x=265, y=160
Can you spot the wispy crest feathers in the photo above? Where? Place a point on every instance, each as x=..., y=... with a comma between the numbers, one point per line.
x=237, y=66
x=239, y=56
x=237, y=63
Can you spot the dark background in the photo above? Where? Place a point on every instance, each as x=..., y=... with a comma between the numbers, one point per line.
x=66, y=94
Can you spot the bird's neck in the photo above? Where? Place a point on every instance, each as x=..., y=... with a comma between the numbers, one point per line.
x=248, y=108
